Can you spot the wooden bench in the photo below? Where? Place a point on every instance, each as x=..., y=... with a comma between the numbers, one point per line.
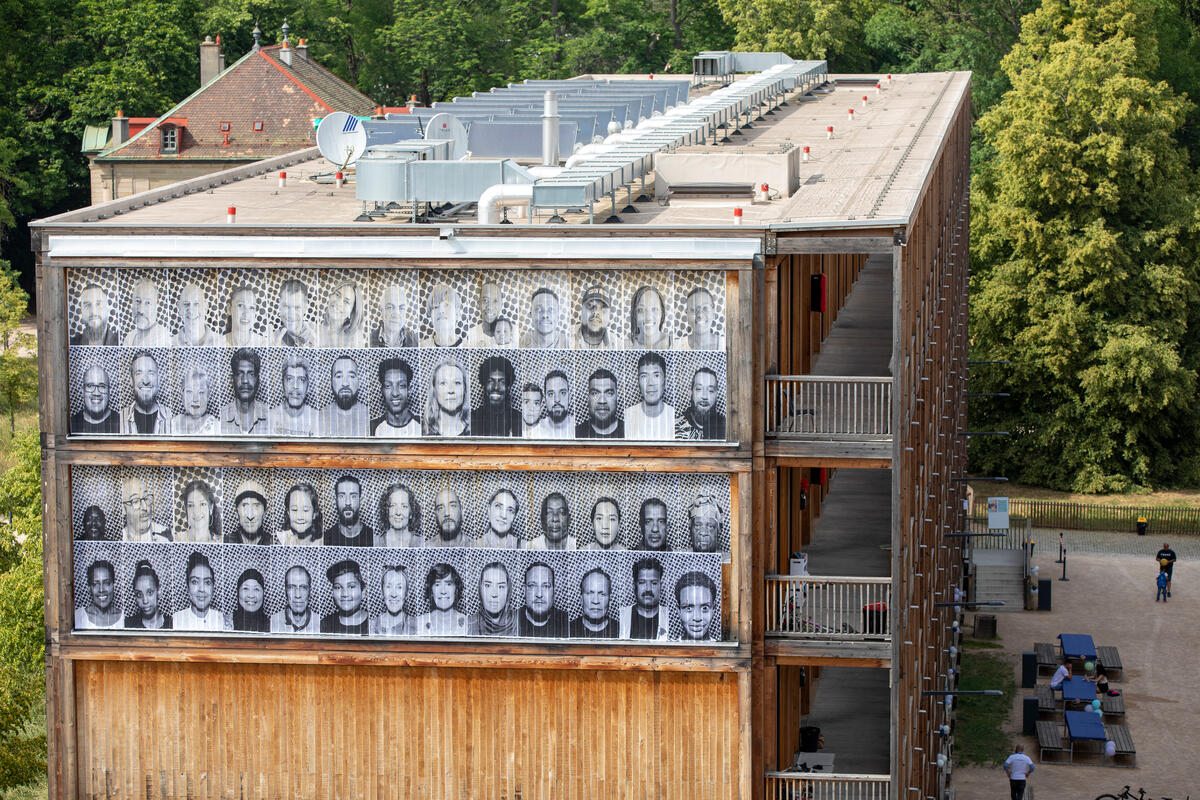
x=1111, y=704
x=1047, y=656
x=1120, y=736
x=1050, y=740
x=1110, y=659
x=1046, y=702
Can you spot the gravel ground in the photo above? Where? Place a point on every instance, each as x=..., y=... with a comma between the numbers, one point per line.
x=1110, y=595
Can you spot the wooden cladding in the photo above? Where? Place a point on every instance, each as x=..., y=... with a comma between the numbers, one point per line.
x=201, y=731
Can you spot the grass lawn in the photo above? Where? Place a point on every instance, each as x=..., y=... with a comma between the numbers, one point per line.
x=979, y=734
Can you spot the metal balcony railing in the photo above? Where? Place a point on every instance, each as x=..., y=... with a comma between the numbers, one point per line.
x=821, y=407
x=849, y=609
x=816, y=786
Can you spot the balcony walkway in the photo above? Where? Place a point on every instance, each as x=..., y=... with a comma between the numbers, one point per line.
x=860, y=342
x=813, y=419
x=852, y=707
x=855, y=526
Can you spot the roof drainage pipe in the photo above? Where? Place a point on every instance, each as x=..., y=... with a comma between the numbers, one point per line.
x=500, y=196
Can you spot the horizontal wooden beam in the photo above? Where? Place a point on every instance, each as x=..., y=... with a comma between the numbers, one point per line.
x=850, y=455
x=817, y=653
x=685, y=659
x=834, y=244
x=348, y=455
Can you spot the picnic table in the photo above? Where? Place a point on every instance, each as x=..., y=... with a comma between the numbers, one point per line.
x=1084, y=726
x=1077, y=645
x=1076, y=688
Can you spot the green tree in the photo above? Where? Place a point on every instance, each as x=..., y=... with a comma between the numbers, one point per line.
x=18, y=367
x=815, y=29
x=1085, y=259
x=22, y=631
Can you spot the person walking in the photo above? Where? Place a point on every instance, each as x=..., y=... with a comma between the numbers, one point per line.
x=1166, y=560
x=1163, y=583
x=1018, y=767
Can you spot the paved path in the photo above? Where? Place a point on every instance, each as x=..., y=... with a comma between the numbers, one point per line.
x=1101, y=542
x=1111, y=596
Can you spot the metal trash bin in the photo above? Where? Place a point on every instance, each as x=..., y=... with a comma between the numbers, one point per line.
x=985, y=626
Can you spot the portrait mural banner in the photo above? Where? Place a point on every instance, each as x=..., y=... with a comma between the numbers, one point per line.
x=533, y=354
x=400, y=553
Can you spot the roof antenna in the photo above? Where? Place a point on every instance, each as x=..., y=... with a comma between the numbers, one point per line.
x=286, y=30
x=256, y=33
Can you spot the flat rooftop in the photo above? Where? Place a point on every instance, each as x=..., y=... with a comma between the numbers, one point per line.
x=870, y=171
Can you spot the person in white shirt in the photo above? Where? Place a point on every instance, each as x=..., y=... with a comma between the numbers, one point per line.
x=1018, y=767
x=395, y=384
x=347, y=416
x=101, y=611
x=653, y=418
x=146, y=331
x=533, y=405
x=1060, y=675
x=294, y=416
x=559, y=422
x=556, y=525
x=200, y=614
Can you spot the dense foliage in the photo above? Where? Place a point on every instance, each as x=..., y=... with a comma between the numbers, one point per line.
x=22, y=636
x=1084, y=236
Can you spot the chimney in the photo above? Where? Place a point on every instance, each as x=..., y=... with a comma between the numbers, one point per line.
x=302, y=49
x=285, y=54
x=210, y=60
x=220, y=56
x=120, y=129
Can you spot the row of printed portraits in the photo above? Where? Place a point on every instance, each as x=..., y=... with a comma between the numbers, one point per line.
x=356, y=308
x=397, y=593
x=276, y=391
x=529, y=510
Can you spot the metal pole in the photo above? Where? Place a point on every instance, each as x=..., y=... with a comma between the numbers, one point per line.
x=1064, y=563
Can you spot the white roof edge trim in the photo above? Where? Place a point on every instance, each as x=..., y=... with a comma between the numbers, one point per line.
x=399, y=247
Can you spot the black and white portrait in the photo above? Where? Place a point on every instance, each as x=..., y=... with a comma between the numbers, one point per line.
x=294, y=308
x=97, y=414
x=447, y=412
x=94, y=325
x=649, y=326
x=146, y=330
x=246, y=413
x=445, y=321
x=148, y=411
x=546, y=327
x=397, y=299
x=496, y=414
x=653, y=417
x=198, y=506
x=344, y=322
x=295, y=415
x=347, y=415
x=395, y=382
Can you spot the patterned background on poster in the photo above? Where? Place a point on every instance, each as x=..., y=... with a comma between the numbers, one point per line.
x=685, y=282
x=229, y=562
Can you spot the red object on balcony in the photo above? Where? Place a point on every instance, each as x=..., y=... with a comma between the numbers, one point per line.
x=822, y=476
x=817, y=290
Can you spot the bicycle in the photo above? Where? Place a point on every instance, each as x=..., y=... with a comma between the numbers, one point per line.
x=1128, y=795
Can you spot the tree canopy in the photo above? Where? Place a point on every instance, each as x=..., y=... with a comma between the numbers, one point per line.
x=1084, y=241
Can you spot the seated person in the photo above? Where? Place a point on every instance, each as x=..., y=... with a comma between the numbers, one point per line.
x=1060, y=675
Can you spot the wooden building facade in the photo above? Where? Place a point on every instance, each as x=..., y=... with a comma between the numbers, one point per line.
x=152, y=714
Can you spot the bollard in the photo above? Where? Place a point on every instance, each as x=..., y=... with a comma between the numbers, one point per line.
x=1061, y=551
x=1064, y=563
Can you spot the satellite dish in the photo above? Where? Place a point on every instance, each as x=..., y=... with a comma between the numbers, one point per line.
x=448, y=126
x=341, y=138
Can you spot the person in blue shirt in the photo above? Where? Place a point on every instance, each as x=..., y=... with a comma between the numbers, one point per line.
x=1163, y=582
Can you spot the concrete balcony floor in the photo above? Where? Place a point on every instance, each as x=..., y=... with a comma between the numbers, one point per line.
x=853, y=535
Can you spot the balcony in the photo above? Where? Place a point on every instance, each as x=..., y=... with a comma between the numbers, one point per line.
x=831, y=414
x=831, y=609
x=815, y=786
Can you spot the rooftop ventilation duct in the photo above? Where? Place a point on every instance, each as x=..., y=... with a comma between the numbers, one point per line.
x=550, y=131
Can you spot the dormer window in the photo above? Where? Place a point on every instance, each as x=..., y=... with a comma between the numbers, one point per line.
x=224, y=127
x=170, y=139
x=258, y=126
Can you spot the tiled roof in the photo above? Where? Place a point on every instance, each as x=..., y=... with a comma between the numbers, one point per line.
x=258, y=88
